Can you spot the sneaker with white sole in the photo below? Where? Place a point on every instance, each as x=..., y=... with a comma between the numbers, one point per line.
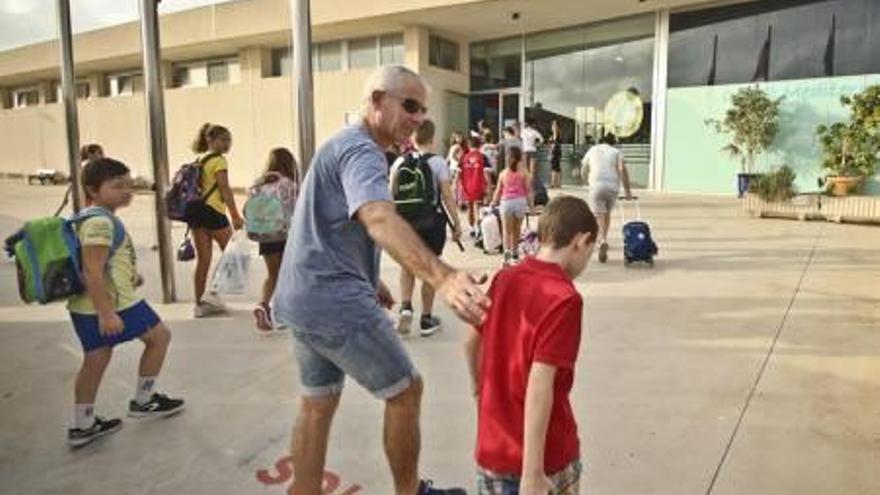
x=404, y=321
x=80, y=437
x=159, y=406
x=426, y=487
x=429, y=325
x=204, y=309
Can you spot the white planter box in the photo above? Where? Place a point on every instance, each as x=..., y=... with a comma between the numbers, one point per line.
x=818, y=207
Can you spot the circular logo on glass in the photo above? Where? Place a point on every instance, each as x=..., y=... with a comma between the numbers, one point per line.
x=624, y=113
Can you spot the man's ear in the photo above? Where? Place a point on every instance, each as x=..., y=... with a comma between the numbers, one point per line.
x=585, y=240
x=376, y=97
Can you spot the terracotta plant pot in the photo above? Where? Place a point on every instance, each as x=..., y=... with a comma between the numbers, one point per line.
x=843, y=186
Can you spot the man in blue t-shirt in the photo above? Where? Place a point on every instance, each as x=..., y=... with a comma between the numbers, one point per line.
x=329, y=290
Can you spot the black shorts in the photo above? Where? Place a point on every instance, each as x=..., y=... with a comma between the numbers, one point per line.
x=434, y=236
x=556, y=160
x=267, y=248
x=201, y=216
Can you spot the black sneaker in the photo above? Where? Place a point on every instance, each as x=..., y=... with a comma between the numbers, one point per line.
x=159, y=406
x=426, y=488
x=429, y=324
x=79, y=437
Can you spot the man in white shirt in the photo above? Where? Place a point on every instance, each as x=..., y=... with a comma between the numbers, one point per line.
x=605, y=170
x=531, y=138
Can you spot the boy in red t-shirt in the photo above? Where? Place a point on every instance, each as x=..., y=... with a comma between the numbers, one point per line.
x=522, y=362
x=472, y=179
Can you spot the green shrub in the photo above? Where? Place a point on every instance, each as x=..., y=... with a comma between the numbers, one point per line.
x=775, y=186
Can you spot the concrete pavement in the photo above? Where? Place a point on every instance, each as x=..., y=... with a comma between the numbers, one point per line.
x=746, y=362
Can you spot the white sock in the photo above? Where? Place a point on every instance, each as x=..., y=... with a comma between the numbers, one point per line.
x=144, y=389
x=84, y=416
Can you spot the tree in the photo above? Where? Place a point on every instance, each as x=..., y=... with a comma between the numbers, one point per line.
x=751, y=122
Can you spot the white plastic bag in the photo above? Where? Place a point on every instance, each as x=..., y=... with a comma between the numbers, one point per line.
x=231, y=273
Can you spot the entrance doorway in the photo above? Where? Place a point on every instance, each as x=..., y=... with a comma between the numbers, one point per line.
x=498, y=109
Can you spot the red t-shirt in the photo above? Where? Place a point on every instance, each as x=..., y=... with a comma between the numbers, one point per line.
x=535, y=316
x=473, y=176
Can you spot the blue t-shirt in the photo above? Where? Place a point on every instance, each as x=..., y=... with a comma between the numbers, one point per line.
x=330, y=270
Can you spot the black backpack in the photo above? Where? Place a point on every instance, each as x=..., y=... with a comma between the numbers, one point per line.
x=413, y=192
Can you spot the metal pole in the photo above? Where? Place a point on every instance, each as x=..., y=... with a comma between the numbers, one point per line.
x=68, y=94
x=157, y=137
x=302, y=85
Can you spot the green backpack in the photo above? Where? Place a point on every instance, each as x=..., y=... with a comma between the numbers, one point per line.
x=413, y=193
x=48, y=258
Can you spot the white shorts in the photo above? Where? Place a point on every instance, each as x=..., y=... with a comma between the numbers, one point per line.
x=516, y=207
x=602, y=198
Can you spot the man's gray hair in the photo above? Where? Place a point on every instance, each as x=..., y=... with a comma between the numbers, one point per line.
x=389, y=78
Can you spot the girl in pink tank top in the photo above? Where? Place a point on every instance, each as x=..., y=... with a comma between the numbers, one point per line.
x=514, y=196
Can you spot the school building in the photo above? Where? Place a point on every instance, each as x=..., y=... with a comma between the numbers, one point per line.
x=650, y=71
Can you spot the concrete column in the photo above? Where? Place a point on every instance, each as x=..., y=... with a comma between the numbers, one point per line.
x=167, y=74
x=5, y=99
x=95, y=85
x=658, y=111
x=252, y=61
x=415, y=45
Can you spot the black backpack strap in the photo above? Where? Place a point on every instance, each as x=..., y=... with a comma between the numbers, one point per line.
x=202, y=162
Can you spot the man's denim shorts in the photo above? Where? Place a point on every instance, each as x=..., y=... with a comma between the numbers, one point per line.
x=370, y=352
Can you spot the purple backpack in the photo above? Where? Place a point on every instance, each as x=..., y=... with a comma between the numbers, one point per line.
x=186, y=190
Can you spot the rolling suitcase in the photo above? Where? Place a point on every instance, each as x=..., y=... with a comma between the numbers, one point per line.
x=638, y=245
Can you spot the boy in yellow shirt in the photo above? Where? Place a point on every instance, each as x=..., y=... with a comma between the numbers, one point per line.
x=110, y=311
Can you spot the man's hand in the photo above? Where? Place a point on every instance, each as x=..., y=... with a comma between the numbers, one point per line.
x=110, y=324
x=536, y=484
x=384, y=296
x=462, y=293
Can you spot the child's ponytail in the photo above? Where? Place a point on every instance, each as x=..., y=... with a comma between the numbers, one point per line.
x=200, y=143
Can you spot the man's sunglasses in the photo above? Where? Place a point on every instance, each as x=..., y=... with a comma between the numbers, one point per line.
x=410, y=105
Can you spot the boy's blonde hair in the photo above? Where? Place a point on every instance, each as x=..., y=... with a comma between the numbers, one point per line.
x=563, y=219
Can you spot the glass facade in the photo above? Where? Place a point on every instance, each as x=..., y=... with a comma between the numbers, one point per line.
x=774, y=40
x=589, y=79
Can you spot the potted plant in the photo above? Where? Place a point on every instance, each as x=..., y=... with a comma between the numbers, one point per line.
x=777, y=186
x=850, y=149
x=751, y=122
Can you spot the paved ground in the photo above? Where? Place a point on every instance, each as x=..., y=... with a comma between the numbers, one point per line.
x=746, y=362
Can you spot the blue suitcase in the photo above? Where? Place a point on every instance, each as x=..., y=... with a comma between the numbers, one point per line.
x=638, y=245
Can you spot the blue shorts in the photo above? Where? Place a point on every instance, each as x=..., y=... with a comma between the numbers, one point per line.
x=138, y=319
x=370, y=353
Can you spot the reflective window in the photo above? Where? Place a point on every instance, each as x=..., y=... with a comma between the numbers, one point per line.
x=327, y=56
x=124, y=84
x=25, y=97
x=573, y=76
x=362, y=53
x=774, y=40
x=282, y=61
x=392, y=51
x=443, y=53
x=218, y=72
x=83, y=91
x=496, y=64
